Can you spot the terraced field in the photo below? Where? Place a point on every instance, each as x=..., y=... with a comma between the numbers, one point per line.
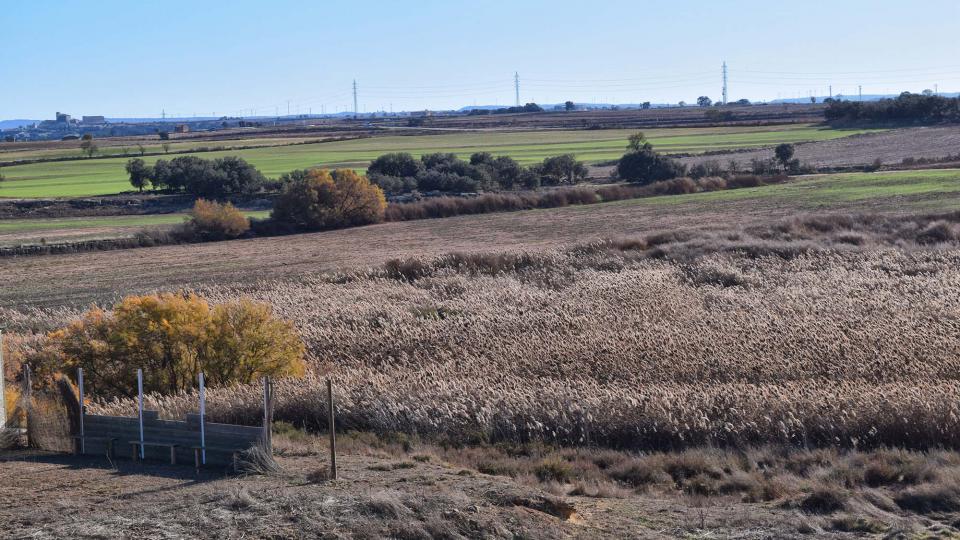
x=107, y=176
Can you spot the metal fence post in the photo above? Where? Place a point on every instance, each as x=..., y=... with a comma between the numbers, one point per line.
x=203, y=410
x=140, y=407
x=3, y=401
x=83, y=445
x=333, y=431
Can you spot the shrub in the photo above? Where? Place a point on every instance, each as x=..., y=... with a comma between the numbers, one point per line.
x=824, y=501
x=646, y=166
x=173, y=337
x=214, y=221
x=324, y=200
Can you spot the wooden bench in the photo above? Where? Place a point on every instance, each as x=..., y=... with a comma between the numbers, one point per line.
x=80, y=443
x=198, y=450
x=135, y=445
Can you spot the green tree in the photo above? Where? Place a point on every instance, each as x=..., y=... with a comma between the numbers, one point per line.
x=562, y=169
x=638, y=141
x=139, y=173
x=400, y=164
x=784, y=153
x=704, y=101
x=569, y=106
x=646, y=166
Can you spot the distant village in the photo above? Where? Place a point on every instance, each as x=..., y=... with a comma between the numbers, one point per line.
x=65, y=127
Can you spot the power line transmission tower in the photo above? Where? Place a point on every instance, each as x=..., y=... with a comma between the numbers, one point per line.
x=860, y=92
x=516, y=87
x=724, y=82
x=354, y=98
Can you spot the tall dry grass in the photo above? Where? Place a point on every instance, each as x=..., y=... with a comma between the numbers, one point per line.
x=602, y=344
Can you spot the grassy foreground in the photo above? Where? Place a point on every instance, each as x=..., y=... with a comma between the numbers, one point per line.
x=107, y=176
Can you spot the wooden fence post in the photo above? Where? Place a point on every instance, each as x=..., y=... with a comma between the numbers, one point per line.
x=333, y=430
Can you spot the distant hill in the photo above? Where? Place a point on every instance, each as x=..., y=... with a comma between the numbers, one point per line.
x=12, y=124
x=855, y=97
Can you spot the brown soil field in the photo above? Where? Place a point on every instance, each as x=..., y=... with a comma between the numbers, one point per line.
x=891, y=147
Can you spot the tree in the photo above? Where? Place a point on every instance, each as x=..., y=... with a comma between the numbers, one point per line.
x=927, y=92
x=645, y=105
x=399, y=164
x=646, y=166
x=142, y=149
x=682, y=104
x=569, y=106
x=214, y=221
x=139, y=173
x=166, y=148
x=638, y=141
x=784, y=153
x=813, y=99
x=562, y=169
x=164, y=135
x=704, y=101
x=173, y=337
x=2, y=177
x=88, y=147
x=325, y=200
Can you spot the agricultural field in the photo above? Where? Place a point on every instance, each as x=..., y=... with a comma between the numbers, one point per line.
x=764, y=362
x=927, y=190
x=81, y=178
x=125, y=147
x=25, y=231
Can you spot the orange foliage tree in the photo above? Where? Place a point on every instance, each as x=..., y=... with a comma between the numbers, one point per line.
x=324, y=200
x=211, y=220
x=173, y=337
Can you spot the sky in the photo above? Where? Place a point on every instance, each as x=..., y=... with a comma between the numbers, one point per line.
x=240, y=57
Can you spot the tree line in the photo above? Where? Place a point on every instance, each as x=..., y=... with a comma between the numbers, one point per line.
x=400, y=172
x=907, y=108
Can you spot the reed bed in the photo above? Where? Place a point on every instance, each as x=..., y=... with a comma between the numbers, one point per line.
x=596, y=345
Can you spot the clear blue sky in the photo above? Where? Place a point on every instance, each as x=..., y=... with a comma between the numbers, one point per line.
x=135, y=58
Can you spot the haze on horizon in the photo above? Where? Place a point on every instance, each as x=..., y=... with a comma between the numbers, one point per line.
x=122, y=59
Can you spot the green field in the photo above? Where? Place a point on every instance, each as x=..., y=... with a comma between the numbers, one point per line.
x=82, y=178
x=108, y=222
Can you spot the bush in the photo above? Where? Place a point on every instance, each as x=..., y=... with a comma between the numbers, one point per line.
x=173, y=337
x=646, y=166
x=215, y=221
x=324, y=200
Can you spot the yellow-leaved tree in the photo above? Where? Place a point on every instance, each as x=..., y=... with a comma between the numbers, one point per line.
x=172, y=337
x=210, y=220
x=318, y=199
